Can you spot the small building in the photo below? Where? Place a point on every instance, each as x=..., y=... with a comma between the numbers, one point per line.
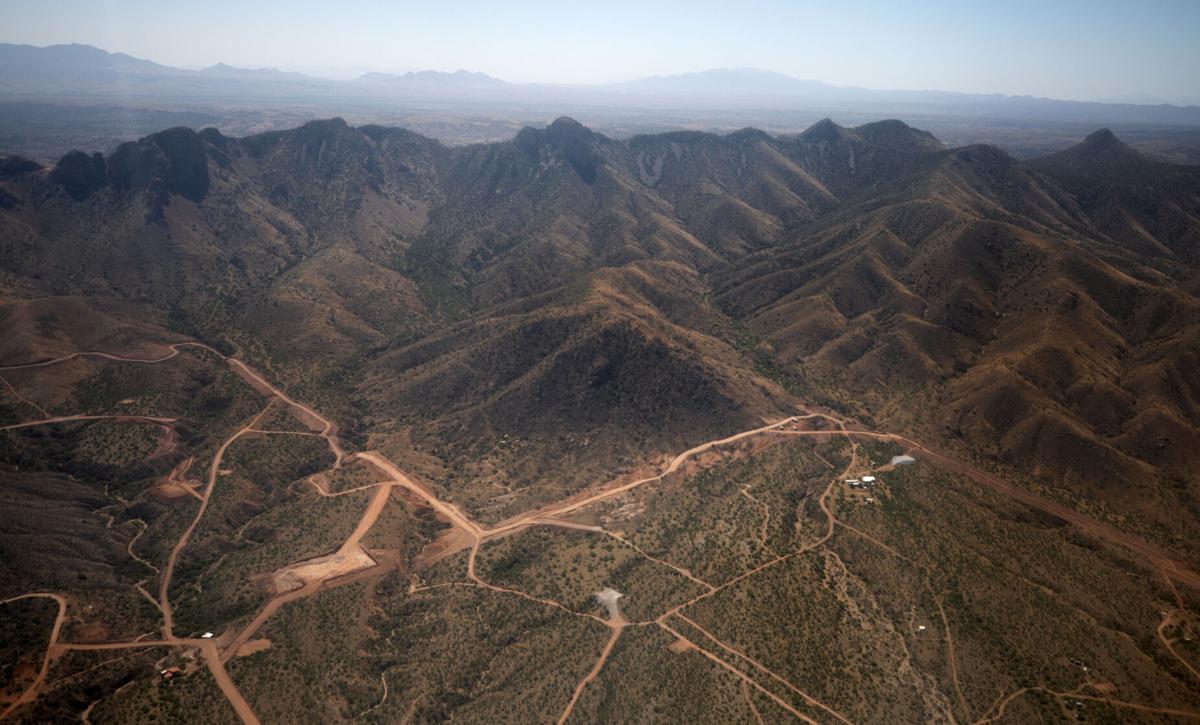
x=868, y=479
x=206, y=635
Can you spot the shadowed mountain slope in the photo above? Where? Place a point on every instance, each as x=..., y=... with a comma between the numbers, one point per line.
x=1150, y=206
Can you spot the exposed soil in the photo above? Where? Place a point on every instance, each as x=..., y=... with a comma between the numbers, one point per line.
x=253, y=646
x=315, y=571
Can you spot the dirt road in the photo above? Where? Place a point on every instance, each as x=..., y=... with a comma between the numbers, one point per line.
x=31, y=692
x=740, y=675
x=591, y=675
x=73, y=418
x=1001, y=705
x=212, y=658
x=1169, y=620
x=312, y=418
x=325, y=427
x=574, y=504
x=164, y=599
x=105, y=355
x=369, y=517
x=449, y=510
x=1156, y=557
x=808, y=699
x=23, y=399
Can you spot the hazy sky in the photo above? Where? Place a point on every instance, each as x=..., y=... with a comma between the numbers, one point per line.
x=1075, y=49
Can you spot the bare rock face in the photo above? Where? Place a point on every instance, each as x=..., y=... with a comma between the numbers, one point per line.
x=171, y=162
x=80, y=175
x=567, y=139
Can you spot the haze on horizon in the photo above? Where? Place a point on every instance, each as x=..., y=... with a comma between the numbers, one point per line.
x=1074, y=50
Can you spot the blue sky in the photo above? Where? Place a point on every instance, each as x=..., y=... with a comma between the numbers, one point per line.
x=1058, y=48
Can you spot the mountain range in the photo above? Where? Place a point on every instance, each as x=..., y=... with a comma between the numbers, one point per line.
x=74, y=71
x=1041, y=316
x=341, y=423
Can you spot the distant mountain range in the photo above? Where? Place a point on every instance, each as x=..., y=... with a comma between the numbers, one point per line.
x=739, y=82
x=432, y=76
x=84, y=72
x=221, y=70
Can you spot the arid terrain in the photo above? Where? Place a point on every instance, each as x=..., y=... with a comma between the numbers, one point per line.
x=341, y=424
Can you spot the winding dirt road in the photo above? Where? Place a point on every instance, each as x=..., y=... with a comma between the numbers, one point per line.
x=164, y=599
x=23, y=399
x=576, y=503
x=104, y=355
x=1169, y=620
x=31, y=692
x=73, y=418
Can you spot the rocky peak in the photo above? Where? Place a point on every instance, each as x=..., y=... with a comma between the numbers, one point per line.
x=824, y=130
x=568, y=139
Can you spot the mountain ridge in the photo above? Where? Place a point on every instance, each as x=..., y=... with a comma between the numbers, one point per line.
x=856, y=259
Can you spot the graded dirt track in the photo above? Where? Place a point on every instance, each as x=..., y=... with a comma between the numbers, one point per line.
x=545, y=516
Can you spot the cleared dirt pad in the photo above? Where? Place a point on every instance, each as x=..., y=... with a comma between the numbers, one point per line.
x=253, y=646
x=321, y=568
